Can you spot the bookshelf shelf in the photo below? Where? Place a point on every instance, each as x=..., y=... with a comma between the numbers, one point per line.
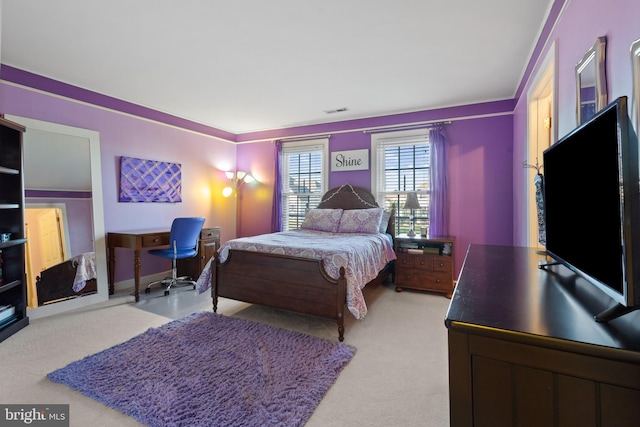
x=13, y=291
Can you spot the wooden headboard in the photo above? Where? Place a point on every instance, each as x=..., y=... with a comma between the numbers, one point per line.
x=349, y=196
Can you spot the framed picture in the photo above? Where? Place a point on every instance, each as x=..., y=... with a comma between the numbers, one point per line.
x=149, y=181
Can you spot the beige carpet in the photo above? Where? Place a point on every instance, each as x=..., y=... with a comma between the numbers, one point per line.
x=398, y=376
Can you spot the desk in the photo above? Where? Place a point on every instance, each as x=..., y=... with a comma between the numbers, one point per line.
x=136, y=240
x=208, y=244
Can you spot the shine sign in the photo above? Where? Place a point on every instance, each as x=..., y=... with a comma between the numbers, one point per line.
x=353, y=160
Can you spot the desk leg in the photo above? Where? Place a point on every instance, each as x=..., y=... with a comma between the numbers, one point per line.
x=112, y=269
x=136, y=273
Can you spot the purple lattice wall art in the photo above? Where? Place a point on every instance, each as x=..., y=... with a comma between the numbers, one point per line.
x=149, y=181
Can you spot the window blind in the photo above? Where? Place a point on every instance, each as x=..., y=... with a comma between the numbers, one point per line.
x=304, y=180
x=403, y=166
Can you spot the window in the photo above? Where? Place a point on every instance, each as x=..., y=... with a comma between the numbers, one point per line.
x=402, y=165
x=304, y=179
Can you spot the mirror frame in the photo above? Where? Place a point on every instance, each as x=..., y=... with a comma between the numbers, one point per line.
x=635, y=75
x=98, y=216
x=596, y=56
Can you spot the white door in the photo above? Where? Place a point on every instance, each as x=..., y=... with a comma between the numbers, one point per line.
x=51, y=238
x=541, y=134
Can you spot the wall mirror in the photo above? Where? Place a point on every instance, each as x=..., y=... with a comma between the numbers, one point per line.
x=591, y=82
x=63, y=208
x=635, y=66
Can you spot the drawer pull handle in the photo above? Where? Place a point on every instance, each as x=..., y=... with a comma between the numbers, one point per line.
x=437, y=280
x=156, y=240
x=421, y=262
x=442, y=264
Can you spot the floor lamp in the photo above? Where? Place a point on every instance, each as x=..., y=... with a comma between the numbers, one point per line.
x=236, y=179
x=412, y=203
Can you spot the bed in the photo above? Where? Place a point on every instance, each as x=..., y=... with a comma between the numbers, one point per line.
x=309, y=280
x=69, y=279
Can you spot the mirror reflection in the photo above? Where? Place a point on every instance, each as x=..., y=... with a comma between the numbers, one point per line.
x=64, y=221
x=53, y=193
x=591, y=82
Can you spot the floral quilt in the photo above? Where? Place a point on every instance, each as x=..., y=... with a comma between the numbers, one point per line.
x=362, y=255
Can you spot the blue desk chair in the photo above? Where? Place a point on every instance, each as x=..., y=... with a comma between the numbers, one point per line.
x=183, y=240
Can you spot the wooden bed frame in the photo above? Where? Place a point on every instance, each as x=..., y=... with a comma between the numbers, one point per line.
x=296, y=284
x=56, y=283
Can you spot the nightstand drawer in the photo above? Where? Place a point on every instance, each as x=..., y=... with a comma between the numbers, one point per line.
x=415, y=279
x=442, y=264
x=439, y=282
x=406, y=261
x=210, y=233
x=424, y=262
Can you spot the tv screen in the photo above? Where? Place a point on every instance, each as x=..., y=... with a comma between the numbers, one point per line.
x=591, y=201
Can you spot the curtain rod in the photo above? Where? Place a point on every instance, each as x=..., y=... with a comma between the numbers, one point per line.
x=302, y=138
x=408, y=127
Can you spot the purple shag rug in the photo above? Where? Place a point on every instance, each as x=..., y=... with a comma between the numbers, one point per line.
x=211, y=370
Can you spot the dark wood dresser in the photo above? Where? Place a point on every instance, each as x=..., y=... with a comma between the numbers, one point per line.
x=524, y=349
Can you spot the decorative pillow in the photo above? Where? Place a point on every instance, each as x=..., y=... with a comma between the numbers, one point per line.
x=360, y=221
x=384, y=223
x=322, y=220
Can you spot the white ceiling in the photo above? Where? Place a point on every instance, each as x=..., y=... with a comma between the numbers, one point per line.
x=252, y=65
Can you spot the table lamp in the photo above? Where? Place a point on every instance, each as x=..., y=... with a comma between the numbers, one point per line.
x=412, y=203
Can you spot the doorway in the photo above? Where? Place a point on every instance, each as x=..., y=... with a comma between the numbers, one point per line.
x=46, y=243
x=541, y=132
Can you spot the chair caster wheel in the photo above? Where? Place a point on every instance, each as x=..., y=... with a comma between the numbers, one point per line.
x=166, y=293
x=147, y=290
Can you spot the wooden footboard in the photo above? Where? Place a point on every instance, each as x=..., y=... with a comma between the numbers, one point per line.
x=289, y=283
x=56, y=283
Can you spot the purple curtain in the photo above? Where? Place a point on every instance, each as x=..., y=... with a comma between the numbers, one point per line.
x=276, y=210
x=439, y=204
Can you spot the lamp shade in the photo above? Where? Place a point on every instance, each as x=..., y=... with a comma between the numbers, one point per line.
x=412, y=201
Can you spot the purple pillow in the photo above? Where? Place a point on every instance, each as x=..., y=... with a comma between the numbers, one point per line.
x=361, y=221
x=322, y=220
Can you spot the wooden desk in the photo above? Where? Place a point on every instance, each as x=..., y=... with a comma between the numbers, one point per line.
x=136, y=240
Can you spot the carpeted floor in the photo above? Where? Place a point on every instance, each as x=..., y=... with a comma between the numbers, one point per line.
x=248, y=374
x=398, y=377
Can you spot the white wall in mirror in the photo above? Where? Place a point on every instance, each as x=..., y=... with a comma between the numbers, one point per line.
x=58, y=133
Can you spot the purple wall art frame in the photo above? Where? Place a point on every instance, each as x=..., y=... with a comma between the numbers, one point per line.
x=149, y=181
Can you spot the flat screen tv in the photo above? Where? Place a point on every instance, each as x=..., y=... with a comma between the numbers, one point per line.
x=592, y=206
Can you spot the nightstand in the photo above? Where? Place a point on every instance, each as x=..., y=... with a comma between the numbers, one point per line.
x=425, y=263
x=209, y=243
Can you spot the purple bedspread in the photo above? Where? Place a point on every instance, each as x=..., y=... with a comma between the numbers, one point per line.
x=362, y=255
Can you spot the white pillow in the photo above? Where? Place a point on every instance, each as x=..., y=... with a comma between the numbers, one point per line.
x=322, y=220
x=361, y=221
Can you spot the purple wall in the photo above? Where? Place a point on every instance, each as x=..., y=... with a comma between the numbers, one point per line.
x=203, y=159
x=488, y=141
x=479, y=164
x=578, y=26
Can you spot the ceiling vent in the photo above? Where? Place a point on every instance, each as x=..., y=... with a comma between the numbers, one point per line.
x=336, y=110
